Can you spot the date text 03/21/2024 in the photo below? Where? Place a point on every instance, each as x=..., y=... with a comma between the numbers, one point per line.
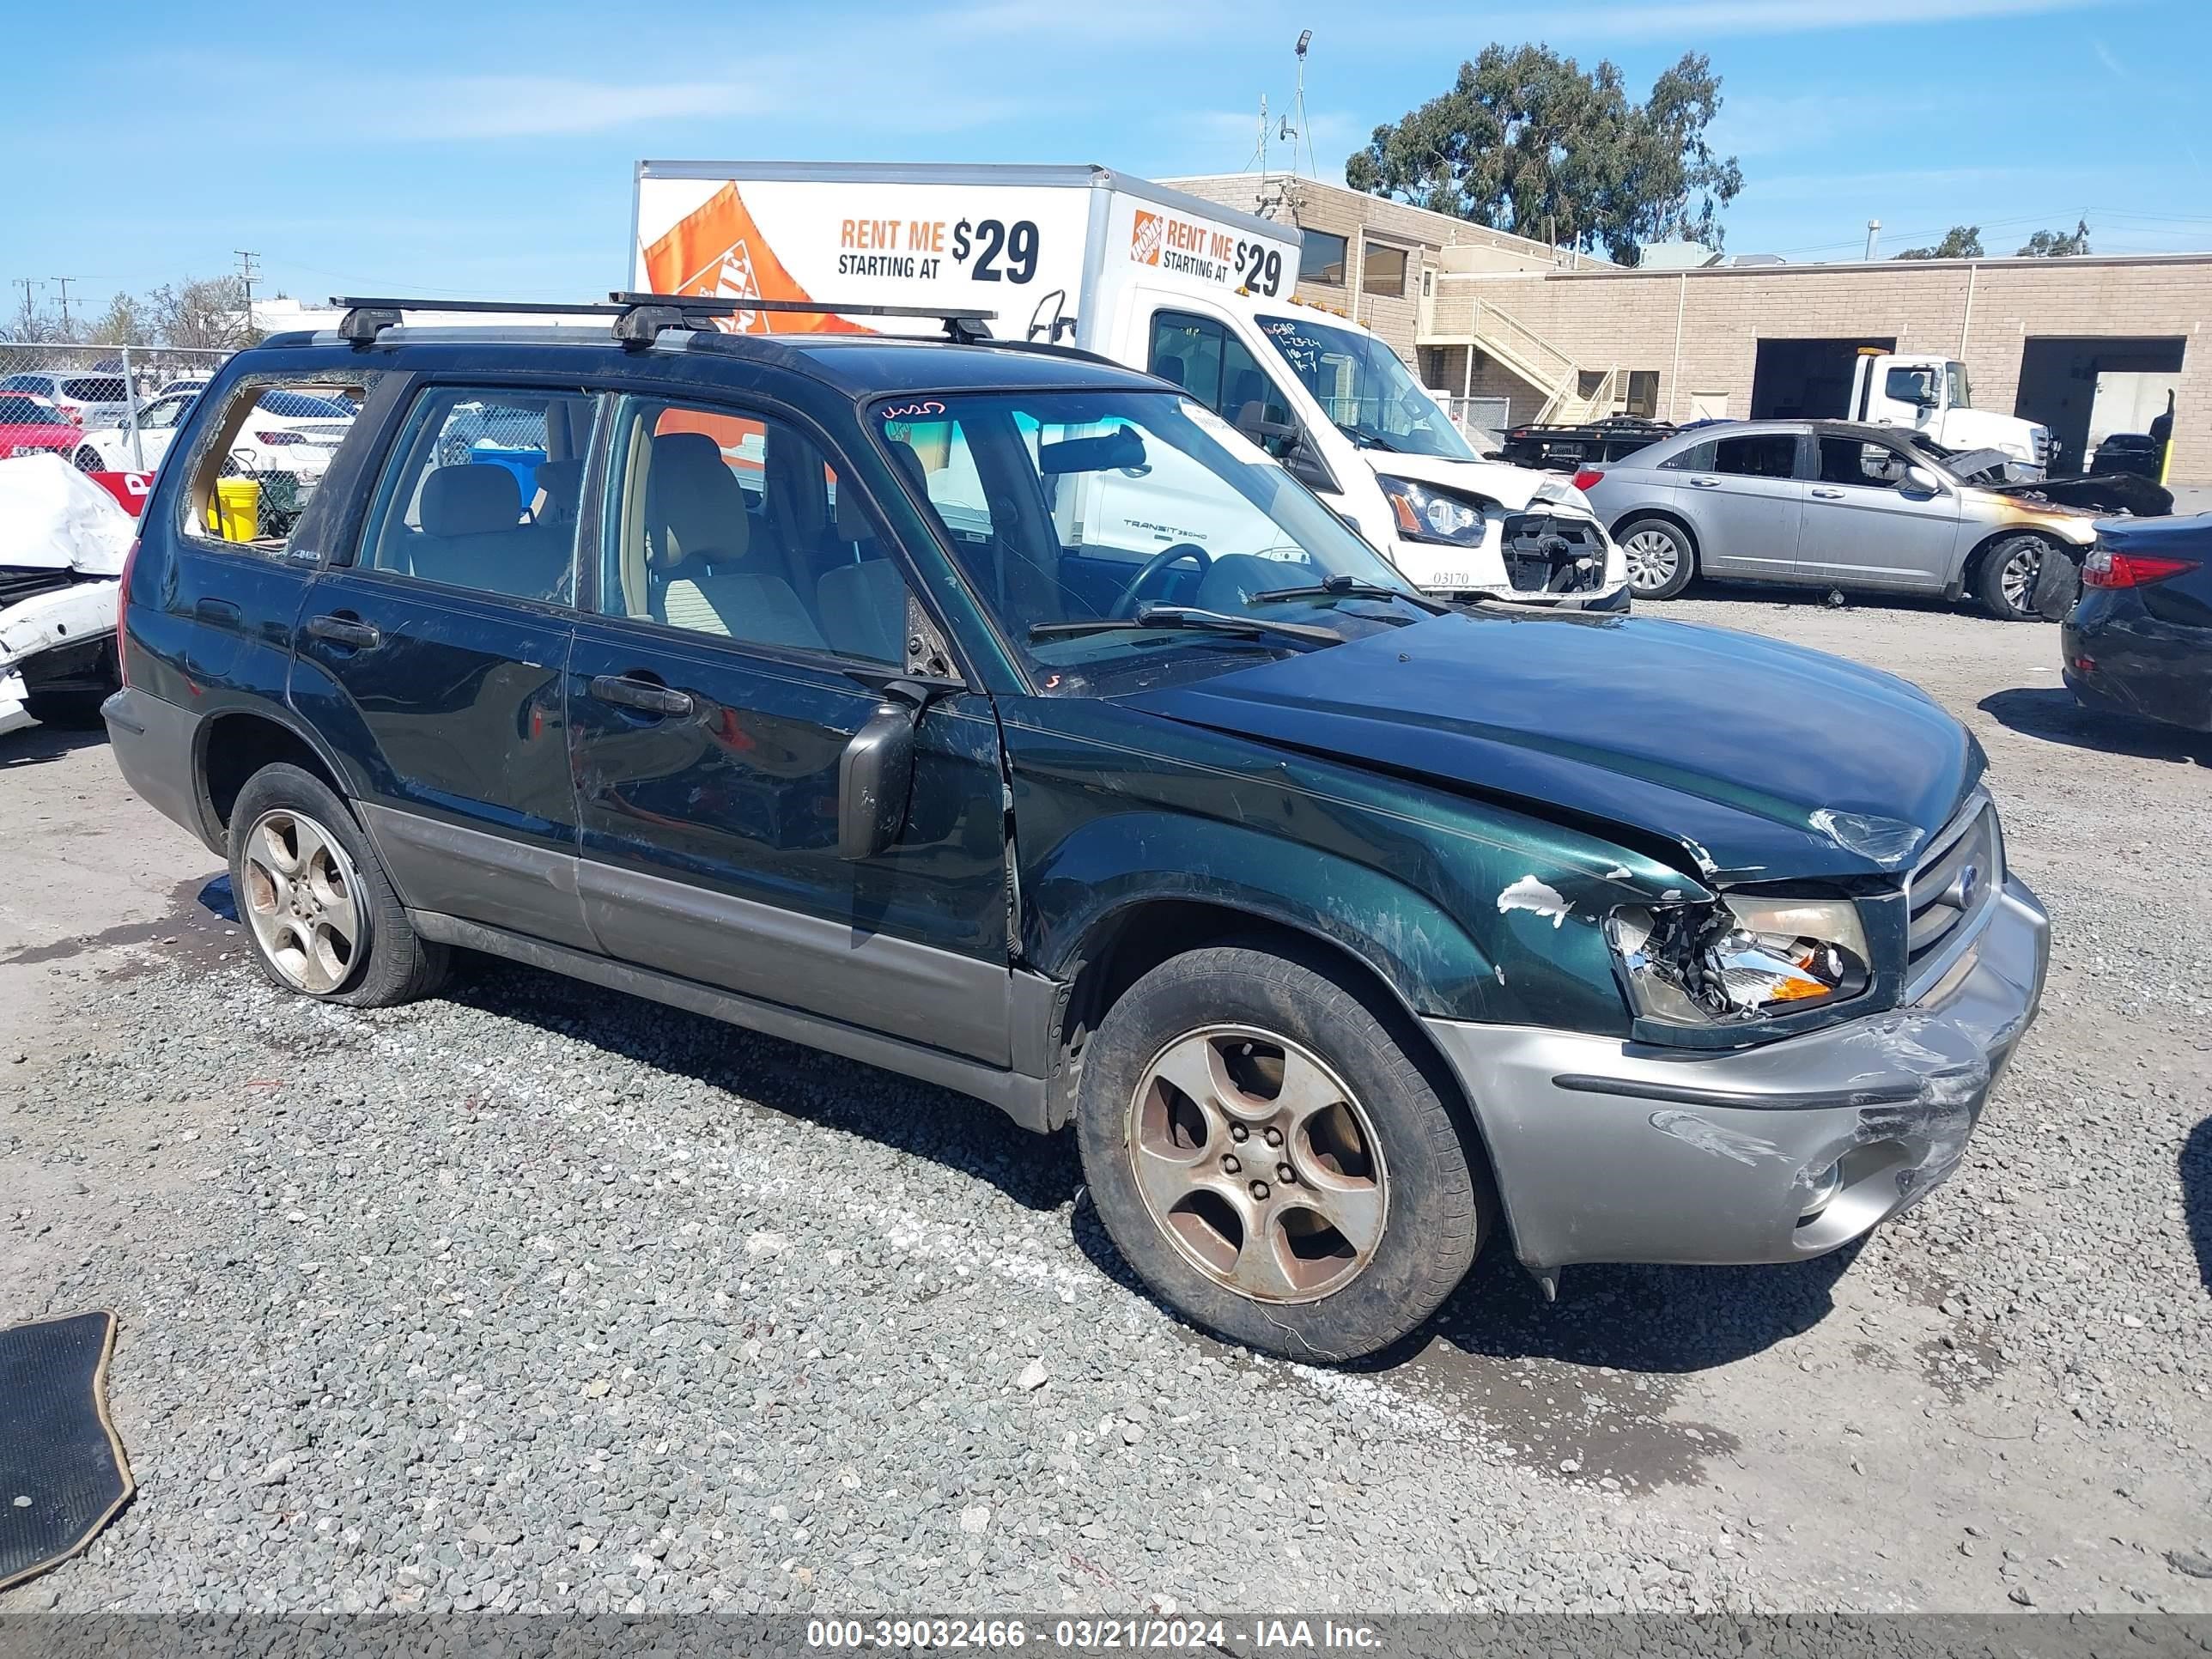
x=1089, y=1635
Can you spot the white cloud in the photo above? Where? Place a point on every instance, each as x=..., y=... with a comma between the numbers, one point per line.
x=1695, y=18
x=528, y=105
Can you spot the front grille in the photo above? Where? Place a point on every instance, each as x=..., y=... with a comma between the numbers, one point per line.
x=1950, y=892
x=1547, y=554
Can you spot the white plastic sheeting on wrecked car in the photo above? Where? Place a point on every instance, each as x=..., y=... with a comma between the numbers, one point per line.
x=54, y=518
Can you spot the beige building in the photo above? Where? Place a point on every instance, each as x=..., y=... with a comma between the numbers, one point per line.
x=2083, y=345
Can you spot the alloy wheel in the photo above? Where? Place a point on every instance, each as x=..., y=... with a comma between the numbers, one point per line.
x=1653, y=559
x=302, y=899
x=2018, y=578
x=1258, y=1164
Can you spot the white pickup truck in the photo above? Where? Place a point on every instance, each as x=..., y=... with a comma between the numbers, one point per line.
x=1931, y=394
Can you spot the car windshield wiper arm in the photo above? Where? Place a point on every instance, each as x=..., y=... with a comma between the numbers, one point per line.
x=1346, y=587
x=1367, y=437
x=1187, y=616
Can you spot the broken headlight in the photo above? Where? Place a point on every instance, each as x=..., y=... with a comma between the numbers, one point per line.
x=1738, y=959
x=1424, y=513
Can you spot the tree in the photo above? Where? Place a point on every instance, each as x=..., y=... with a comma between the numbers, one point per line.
x=124, y=323
x=2058, y=245
x=210, y=312
x=1960, y=242
x=1526, y=141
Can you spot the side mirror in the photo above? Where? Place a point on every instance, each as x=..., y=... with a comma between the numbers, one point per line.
x=875, y=778
x=1919, y=481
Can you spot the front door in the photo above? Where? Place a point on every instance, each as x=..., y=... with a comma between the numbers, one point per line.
x=1867, y=525
x=743, y=614
x=430, y=662
x=1746, y=503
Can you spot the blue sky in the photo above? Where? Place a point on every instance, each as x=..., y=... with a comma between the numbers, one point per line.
x=485, y=149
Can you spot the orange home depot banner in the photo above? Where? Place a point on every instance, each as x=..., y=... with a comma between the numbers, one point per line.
x=718, y=251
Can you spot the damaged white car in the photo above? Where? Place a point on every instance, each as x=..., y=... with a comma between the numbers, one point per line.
x=62, y=542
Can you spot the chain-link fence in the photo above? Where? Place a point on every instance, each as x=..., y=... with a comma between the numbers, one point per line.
x=103, y=408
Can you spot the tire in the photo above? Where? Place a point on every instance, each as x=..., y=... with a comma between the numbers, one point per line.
x=1234, y=1019
x=2005, y=576
x=1662, y=563
x=67, y=711
x=284, y=809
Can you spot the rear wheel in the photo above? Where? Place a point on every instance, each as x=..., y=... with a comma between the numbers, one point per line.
x=323, y=919
x=1660, y=558
x=1268, y=1155
x=89, y=459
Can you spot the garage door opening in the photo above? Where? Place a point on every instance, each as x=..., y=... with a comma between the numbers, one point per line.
x=1808, y=379
x=2087, y=387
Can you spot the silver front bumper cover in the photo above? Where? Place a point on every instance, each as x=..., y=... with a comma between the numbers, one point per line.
x=1607, y=1151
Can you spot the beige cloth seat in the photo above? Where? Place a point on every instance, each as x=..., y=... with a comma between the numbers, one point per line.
x=699, y=536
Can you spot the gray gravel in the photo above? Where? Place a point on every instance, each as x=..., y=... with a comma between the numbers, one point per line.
x=536, y=1297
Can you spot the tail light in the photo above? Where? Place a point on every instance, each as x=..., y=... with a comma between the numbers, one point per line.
x=123, y=610
x=74, y=417
x=1587, y=476
x=2106, y=568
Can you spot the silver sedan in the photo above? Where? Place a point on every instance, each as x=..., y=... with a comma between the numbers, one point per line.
x=1825, y=504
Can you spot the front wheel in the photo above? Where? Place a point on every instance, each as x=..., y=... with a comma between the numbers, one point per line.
x=2009, y=571
x=324, y=920
x=1660, y=558
x=1271, y=1160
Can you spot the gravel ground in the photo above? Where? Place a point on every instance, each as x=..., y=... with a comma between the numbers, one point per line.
x=538, y=1298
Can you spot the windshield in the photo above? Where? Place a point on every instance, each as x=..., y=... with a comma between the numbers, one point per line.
x=1364, y=388
x=1074, y=507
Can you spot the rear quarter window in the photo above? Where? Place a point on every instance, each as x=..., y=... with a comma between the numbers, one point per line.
x=246, y=485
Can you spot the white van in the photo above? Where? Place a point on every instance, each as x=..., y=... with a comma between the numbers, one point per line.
x=1155, y=279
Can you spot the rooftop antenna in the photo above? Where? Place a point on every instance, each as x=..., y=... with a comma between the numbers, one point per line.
x=1259, y=156
x=1298, y=109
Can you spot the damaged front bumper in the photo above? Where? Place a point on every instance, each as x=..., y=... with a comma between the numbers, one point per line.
x=1613, y=1152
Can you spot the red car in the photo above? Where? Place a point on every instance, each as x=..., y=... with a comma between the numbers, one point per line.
x=28, y=425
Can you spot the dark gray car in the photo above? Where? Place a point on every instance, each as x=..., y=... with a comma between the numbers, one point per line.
x=1827, y=504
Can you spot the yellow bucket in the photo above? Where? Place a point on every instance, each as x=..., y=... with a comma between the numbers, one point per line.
x=237, y=506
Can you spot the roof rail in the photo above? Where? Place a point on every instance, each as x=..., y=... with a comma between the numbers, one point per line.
x=648, y=314
x=639, y=318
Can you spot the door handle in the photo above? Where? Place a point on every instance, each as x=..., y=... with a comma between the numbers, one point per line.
x=349, y=631
x=649, y=696
x=1704, y=483
x=218, y=611
x=1827, y=495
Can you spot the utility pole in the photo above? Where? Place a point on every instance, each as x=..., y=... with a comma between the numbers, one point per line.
x=1874, y=237
x=245, y=275
x=27, y=283
x=63, y=282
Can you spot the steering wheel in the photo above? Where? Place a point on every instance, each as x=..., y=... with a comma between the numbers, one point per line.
x=1125, y=606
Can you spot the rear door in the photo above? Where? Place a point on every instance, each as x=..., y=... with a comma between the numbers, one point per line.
x=744, y=611
x=1745, y=499
x=429, y=657
x=1867, y=526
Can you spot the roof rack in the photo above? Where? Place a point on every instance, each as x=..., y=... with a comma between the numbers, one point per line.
x=638, y=319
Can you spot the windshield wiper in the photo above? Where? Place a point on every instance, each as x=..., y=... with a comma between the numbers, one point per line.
x=1346, y=587
x=1187, y=616
x=1368, y=438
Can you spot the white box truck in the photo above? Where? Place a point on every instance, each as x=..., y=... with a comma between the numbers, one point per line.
x=1154, y=279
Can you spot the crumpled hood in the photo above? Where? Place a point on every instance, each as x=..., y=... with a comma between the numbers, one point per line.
x=1512, y=488
x=1760, y=761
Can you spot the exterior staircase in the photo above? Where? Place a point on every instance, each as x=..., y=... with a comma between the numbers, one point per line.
x=1572, y=392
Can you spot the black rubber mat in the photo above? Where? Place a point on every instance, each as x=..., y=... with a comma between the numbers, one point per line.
x=62, y=1471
